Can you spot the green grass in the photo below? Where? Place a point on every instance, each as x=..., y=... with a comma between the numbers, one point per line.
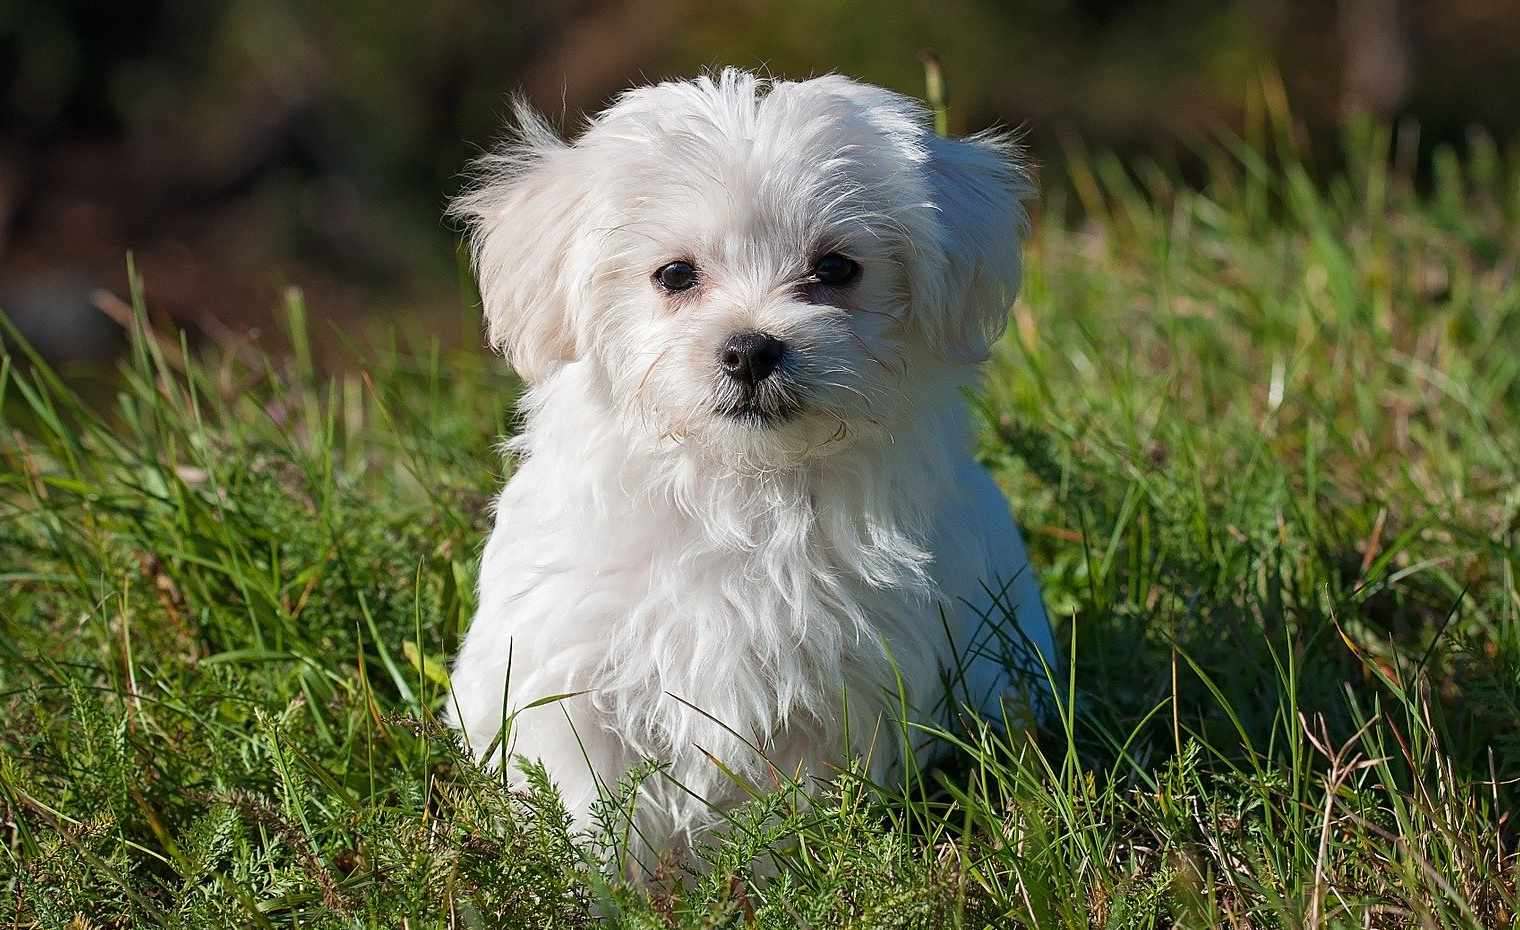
x=1262, y=433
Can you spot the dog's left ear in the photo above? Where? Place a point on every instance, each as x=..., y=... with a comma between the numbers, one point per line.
x=525, y=216
x=963, y=289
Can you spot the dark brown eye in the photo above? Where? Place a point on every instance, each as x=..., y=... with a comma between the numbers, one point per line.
x=835, y=270
x=676, y=276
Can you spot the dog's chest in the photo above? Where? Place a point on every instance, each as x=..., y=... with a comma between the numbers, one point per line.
x=709, y=617
x=763, y=641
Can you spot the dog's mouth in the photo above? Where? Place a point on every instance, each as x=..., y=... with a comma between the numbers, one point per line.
x=765, y=408
x=761, y=412
x=764, y=404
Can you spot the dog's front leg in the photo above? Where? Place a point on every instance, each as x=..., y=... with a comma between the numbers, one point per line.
x=583, y=756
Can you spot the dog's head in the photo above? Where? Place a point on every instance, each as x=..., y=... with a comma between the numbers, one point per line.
x=756, y=268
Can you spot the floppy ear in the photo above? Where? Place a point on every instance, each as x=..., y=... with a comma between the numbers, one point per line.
x=977, y=187
x=524, y=215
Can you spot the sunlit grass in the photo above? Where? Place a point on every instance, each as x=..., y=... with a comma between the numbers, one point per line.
x=1262, y=434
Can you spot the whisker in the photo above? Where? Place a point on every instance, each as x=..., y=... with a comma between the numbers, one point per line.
x=650, y=370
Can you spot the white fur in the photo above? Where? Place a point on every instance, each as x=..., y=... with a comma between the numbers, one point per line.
x=659, y=556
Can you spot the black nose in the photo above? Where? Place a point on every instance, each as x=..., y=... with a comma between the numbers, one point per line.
x=750, y=357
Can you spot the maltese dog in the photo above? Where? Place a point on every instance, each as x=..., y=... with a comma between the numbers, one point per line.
x=745, y=541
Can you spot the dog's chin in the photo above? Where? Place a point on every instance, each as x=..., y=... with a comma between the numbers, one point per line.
x=762, y=438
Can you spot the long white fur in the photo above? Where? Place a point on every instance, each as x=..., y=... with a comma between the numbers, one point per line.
x=659, y=556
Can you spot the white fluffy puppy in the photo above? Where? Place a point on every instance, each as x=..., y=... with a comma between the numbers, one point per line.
x=745, y=525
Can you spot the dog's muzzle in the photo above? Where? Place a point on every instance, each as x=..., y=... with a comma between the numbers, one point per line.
x=754, y=387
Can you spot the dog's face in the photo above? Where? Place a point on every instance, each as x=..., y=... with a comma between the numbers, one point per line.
x=754, y=269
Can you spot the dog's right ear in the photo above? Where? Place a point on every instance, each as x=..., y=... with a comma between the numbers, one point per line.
x=523, y=214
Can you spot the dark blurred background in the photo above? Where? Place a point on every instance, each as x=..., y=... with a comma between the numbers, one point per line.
x=239, y=147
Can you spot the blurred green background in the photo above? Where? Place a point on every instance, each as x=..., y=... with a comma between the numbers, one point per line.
x=239, y=147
